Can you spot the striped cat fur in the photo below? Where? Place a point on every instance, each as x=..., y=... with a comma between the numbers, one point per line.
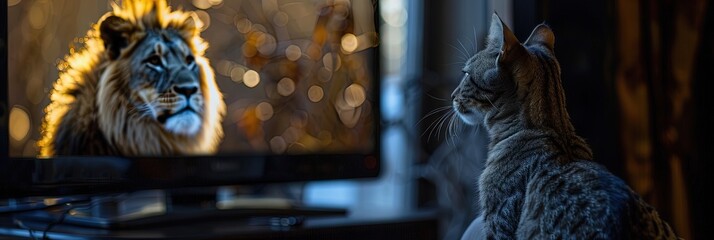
x=539, y=181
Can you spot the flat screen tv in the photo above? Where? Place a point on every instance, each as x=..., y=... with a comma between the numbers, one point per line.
x=297, y=82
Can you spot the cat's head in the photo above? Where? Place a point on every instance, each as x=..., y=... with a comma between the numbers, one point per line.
x=501, y=76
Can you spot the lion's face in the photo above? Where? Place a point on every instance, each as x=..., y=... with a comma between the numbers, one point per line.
x=140, y=87
x=165, y=83
x=156, y=92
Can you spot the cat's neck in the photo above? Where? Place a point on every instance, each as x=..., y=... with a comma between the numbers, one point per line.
x=503, y=125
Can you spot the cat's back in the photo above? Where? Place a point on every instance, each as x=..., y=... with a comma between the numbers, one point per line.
x=582, y=200
x=579, y=199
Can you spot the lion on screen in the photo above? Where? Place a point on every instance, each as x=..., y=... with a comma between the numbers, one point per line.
x=139, y=87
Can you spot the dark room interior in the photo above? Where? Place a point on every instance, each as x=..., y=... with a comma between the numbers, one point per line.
x=337, y=117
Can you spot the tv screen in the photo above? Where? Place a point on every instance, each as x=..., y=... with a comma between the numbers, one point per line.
x=95, y=80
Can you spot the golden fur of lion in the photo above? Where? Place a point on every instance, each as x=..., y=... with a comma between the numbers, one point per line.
x=139, y=87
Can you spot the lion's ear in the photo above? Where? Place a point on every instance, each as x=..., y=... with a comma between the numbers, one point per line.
x=191, y=25
x=114, y=31
x=192, y=21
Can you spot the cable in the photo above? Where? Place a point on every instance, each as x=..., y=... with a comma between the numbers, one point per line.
x=22, y=225
x=39, y=205
x=60, y=219
x=56, y=222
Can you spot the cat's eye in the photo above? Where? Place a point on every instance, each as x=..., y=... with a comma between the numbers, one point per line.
x=190, y=59
x=154, y=60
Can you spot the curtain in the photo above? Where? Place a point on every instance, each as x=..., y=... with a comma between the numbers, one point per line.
x=662, y=47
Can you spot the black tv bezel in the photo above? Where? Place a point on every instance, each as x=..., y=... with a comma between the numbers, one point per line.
x=27, y=177
x=96, y=175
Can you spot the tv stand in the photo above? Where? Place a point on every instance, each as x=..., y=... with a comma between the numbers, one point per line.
x=251, y=224
x=155, y=208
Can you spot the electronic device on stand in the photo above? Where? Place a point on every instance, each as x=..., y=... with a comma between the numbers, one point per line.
x=316, y=129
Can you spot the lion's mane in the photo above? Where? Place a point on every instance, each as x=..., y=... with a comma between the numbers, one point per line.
x=89, y=111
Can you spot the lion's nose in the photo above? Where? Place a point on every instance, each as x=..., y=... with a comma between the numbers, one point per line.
x=186, y=89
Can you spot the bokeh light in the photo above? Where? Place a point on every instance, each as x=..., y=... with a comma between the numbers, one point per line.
x=264, y=111
x=299, y=119
x=249, y=50
x=293, y=52
x=39, y=13
x=278, y=145
x=315, y=93
x=332, y=61
x=215, y=2
x=202, y=4
x=243, y=25
x=266, y=44
x=349, y=43
x=224, y=67
x=19, y=123
x=350, y=117
x=292, y=134
x=355, y=95
x=251, y=78
x=237, y=74
x=205, y=20
x=280, y=19
x=286, y=86
x=258, y=28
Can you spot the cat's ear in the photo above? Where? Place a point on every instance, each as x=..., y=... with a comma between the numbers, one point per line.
x=501, y=37
x=542, y=34
x=114, y=32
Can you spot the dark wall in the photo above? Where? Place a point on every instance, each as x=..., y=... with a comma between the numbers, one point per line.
x=700, y=169
x=583, y=46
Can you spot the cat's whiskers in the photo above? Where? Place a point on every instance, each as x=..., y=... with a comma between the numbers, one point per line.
x=432, y=125
x=478, y=129
x=468, y=55
x=457, y=124
x=464, y=55
x=492, y=104
x=437, y=127
x=439, y=109
x=429, y=129
x=460, y=63
x=441, y=126
x=448, y=123
x=439, y=99
x=452, y=131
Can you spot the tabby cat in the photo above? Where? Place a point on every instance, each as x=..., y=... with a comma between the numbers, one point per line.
x=539, y=181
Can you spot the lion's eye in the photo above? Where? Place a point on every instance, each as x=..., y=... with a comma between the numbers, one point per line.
x=154, y=60
x=189, y=60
